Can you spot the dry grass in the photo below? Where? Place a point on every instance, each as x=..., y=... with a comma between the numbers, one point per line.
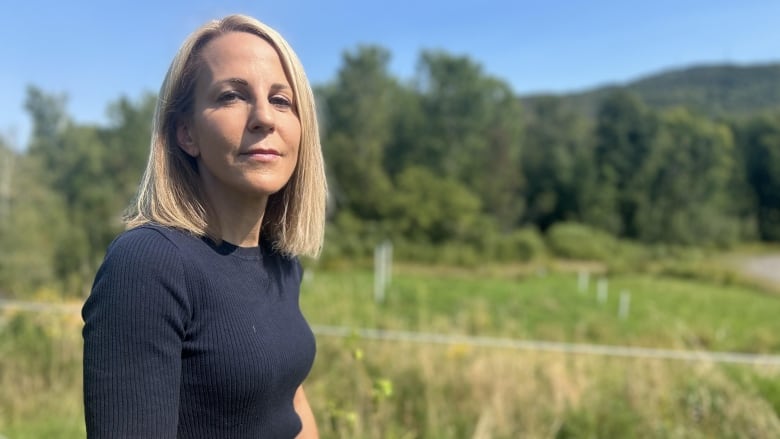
x=464, y=392
x=40, y=375
x=371, y=389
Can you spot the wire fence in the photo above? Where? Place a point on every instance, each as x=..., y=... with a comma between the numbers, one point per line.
x=548, y=346
x=481, y=341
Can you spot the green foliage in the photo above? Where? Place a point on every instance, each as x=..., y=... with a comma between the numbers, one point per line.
x=624, y=133
x=360, y=109
x=428, y=209
x=77, y=180
x=449, y=391
x=607, y=415
x=716, y=91
x=367, y=389
x=50, y=120
x=555, y=163
x=40, y=376
x=686, y=176
x=127, y=141
x=769, y=389
x=448, y=166
x=759, y=141
x=525, y=245
x=32, y=222
x=454, y=171
x=577, y=241
x=472, y=132
x=666, y=312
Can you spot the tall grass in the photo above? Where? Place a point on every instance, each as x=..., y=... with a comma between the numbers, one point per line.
x=372, y=389
x=465, y=392
x=40, y=375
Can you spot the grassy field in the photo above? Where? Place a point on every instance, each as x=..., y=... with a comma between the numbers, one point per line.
x=363, y=388
x=663, y=312
x=463, y=391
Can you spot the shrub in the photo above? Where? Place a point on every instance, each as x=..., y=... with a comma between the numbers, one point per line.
x=525, y=245
x=577, y=241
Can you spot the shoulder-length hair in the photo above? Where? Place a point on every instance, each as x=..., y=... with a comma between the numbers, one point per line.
x=170, y=192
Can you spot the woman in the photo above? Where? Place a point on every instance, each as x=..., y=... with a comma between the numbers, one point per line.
x=193, y=329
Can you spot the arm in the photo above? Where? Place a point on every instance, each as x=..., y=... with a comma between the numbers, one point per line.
x=309, y=430
x=134, y=324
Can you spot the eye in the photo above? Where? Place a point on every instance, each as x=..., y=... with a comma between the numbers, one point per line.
x=230, y=97
x=281, y=101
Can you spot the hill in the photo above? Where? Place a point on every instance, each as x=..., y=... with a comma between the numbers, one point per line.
x=715, y=90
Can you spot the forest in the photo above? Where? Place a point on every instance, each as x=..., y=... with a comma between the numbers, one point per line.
x=526, y=219
x=450, y=165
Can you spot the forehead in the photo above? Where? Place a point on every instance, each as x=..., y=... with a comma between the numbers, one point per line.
x=240, y=52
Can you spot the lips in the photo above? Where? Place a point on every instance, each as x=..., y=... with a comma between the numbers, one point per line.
x=262, y=155
x=262, y=151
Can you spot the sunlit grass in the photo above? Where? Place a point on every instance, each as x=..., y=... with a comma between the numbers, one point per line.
x=662, y=312
x=40, y=375
x=467, y=392
x=372, y=389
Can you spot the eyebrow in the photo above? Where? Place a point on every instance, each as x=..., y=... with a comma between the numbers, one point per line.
x=243, y=82
x=235, y=81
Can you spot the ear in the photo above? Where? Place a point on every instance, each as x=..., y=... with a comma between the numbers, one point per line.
x=185, y=139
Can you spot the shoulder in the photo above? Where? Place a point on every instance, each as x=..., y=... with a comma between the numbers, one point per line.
x=288, y=264
x=151, y=237
x=147, y=247
x=150, y=234
x=143, y=267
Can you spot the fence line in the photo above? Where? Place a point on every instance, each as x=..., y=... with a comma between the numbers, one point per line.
x=482, y=341
x=40, y=306
x=547, y=346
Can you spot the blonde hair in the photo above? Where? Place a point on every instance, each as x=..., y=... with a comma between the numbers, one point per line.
x=170, y=192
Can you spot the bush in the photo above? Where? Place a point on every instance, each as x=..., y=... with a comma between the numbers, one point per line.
x=348, y=239
x=577, y=241
x=525, y=245
x=462, y=255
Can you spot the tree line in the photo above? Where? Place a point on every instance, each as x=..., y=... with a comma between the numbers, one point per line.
x=446, y=162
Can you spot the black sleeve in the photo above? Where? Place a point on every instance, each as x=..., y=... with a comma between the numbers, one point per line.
x=134, y=323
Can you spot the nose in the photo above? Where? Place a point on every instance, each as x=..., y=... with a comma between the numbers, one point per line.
x=261, y=117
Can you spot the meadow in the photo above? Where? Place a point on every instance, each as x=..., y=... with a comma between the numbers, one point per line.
x=364, y=388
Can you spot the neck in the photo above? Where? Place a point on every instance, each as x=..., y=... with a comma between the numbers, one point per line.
x=239, y=219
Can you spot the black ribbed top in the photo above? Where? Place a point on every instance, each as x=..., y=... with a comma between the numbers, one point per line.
x=187, y=339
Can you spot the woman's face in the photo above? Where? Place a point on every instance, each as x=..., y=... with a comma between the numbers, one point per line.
x=244, y=131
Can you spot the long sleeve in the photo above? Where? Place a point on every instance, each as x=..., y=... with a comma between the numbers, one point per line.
x=135, y=323
x=185, y=338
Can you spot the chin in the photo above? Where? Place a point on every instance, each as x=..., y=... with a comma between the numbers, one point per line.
x=267, y=190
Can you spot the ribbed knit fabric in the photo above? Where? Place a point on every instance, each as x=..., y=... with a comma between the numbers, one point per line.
x=187, y=339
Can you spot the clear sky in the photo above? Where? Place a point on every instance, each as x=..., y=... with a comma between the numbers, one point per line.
x=96, y=51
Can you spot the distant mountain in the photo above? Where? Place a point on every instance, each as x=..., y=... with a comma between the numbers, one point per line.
x=715, y=90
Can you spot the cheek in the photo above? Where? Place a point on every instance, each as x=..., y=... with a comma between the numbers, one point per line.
x=217, y=132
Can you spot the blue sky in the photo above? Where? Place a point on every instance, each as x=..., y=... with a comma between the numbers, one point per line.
x=95, y=51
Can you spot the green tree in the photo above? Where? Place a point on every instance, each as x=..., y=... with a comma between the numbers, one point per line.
x=93, y=170
x=556, y=163
x=624, y=134
x=685, y=181
x=358, y=118
x=32, y=219
x=127, y=139
x=49, y=121
x=759, y=143
x=471, y=131
x=428, y=209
